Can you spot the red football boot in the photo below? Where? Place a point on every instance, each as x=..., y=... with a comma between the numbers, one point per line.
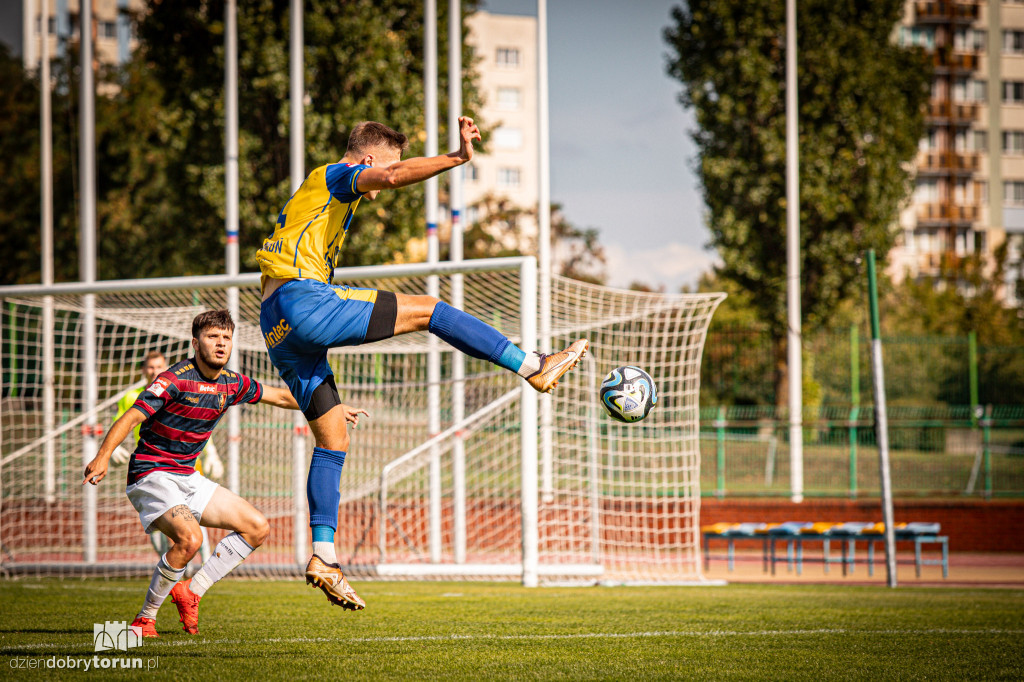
x=188, y=606
x=148, y=626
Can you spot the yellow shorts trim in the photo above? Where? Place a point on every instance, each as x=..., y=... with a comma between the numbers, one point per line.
x=349, y=294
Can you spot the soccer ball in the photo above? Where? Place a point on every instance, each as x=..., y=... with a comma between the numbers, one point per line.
x=628, y=393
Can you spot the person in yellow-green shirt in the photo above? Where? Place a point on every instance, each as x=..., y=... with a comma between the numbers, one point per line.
x=209, y=462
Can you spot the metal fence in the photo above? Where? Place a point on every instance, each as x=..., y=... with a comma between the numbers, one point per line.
x=738, y=368
x=935, y=451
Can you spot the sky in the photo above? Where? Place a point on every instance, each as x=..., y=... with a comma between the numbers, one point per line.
x=621, y=154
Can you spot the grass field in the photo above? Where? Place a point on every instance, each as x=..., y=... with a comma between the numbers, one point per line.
x=283, y=630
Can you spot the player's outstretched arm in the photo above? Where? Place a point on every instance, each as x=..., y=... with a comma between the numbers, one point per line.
x=418, y=169
x=278, y=397
x=96, y=470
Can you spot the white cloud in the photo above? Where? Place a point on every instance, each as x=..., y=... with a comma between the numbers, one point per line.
x=671, y=265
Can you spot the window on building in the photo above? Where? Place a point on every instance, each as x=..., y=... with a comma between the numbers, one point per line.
x=509, y=177
x=472, y=214
x=1013, y=192
x=1013, y=42
x=927, y=191
x=1013, y=92
x=971, y=141
x=106, y=29
x=471, y=174
x=982, y=188
x=930, y=141
x=977, y=90
x=979, y=141
x=508, y=138
x=1013, y=141
x=962, y=193
x=509, y=99
x=507, y=57
x=970, y=39
x=967, y=90
x=922, y=36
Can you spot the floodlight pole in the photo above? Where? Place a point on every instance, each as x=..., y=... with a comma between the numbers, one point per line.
x=87, y=265
x=433, y=283
x=455, y=200
x=544, y=243
x=46, y=254
x=793, y=333
x=231, y=215
x=298, y=172
x=881, y=425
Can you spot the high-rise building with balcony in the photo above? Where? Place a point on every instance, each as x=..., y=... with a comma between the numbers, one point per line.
x=506, y=50
x=969, y=181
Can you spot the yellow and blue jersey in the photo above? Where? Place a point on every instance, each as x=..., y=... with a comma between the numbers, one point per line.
x=312, y=226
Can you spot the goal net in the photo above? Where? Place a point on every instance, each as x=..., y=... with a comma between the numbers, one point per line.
x=421, y=494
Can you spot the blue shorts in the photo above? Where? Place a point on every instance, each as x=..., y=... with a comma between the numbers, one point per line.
x=304, y=318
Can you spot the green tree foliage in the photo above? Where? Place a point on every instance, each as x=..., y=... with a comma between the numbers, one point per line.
x=861, y=115
x=160, y=135
x=20, y=167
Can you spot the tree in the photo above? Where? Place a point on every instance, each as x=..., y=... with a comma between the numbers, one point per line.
x=861, y=106
x=20, y=166
x=576, y=252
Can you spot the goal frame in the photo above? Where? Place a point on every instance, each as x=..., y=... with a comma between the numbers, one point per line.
x=526, y=266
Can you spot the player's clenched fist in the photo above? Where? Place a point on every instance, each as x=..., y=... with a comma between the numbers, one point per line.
x=95, y=470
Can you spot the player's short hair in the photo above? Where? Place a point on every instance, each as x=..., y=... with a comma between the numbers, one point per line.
x=212, y=319
x=370, y=135
x=152, y=355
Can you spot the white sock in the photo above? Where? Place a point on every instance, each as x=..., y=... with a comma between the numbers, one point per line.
x=531, y=364
x=325, y=550
x=164, y=578
x=228, y=553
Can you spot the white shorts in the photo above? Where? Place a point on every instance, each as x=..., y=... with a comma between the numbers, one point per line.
x=154, y=494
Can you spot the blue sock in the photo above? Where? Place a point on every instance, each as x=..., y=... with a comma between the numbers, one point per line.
x=323, y=490
x=474, y=338
x=322, y=533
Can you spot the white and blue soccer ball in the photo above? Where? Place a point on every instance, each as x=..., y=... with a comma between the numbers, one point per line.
x=628, y=393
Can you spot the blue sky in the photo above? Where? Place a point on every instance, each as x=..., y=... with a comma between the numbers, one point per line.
x=621, y=155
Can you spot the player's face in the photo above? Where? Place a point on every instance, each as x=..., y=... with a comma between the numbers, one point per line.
x=152, y=367
x=213, y=347
x=382, y=159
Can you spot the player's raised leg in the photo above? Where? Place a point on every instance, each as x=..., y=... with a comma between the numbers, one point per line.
x=250, y=529
x=182, y=529
x=480, y=340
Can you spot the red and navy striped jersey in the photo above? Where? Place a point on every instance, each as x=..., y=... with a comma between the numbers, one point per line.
x=182, y=406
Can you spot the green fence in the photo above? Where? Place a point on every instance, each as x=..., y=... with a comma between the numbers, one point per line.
x=934, y=451
x=738, y=368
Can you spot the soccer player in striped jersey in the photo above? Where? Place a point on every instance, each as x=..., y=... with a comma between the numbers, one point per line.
x=208, y=463
x=176, y=413
x=302, y=315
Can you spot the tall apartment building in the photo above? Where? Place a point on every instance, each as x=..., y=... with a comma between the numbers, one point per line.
x=969, y=193
x=23, y=28
x=506, y=49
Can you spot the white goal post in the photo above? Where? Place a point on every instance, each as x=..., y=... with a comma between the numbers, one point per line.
x=474, y=498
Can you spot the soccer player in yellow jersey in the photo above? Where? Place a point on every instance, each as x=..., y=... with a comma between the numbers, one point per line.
x=303, y=315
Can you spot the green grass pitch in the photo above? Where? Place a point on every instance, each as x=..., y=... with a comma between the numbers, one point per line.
x=270, y=630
